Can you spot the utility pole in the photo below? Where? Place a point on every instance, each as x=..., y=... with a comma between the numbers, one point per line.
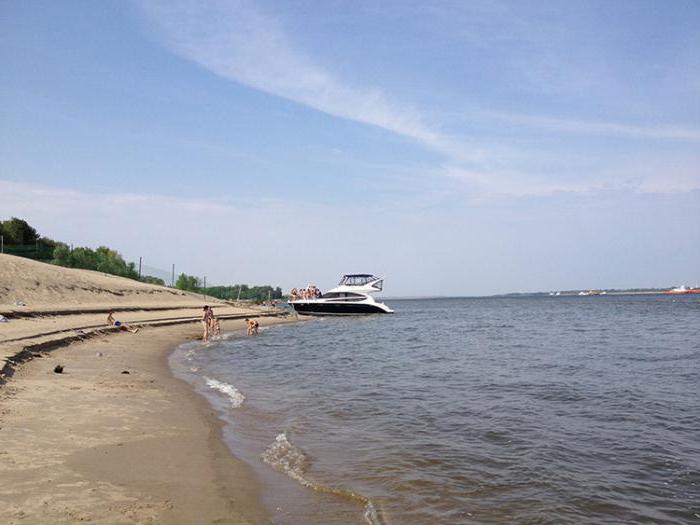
x=2, y=244
x=172, y=280
x=140, y=267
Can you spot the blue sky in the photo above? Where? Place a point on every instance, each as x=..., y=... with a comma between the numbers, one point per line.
x=455, y=147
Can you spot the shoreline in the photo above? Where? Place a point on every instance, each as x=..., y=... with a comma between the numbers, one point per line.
x=95, y=444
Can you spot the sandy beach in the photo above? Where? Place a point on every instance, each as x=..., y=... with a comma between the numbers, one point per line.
x=115, y=438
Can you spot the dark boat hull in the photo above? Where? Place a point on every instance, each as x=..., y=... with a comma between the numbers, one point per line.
x=336, y=309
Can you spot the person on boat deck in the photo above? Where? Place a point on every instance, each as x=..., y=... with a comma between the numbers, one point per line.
x=122, y=326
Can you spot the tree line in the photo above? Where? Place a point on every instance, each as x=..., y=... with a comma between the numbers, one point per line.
x=20, y=238
x=231, y=292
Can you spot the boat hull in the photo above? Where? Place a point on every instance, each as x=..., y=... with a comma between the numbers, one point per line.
x=319, y=308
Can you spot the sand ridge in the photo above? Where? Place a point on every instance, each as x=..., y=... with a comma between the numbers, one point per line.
x=45, y=286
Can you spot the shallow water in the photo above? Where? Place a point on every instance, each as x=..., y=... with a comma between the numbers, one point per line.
x=493, y=410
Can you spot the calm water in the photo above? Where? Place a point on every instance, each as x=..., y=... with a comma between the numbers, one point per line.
x=528, y=410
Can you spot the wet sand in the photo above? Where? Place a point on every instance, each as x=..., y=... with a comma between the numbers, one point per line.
x=94, y=444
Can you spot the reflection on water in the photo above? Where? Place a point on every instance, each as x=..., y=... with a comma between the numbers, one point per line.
x=526, y=410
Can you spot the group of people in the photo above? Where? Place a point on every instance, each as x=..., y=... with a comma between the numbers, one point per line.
x=212, y=327
x=210, y=322
x=311, y=292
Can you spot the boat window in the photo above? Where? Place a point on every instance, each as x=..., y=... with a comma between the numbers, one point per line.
x=343, y=295
x=357, y=279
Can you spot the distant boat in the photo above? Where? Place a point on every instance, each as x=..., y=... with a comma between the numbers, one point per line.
x=682, y=290
x=592, y=292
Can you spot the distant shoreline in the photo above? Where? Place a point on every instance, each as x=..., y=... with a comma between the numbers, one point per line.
x=524, y=294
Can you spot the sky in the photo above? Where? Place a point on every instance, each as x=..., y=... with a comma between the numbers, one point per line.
x=455, y=148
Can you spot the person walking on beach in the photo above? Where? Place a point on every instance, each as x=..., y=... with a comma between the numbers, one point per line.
x=122, y=326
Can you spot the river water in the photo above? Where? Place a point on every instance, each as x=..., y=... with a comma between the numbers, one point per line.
x=486, y=410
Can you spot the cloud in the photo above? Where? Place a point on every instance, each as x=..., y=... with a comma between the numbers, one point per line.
x=671, y=133
x=224, y=240
x=485, y=185
x=235, y=40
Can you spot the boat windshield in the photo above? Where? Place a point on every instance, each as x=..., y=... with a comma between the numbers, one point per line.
x=360, y=279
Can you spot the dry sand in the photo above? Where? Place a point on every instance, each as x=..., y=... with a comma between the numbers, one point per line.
x=44, y=286
x=94, y=444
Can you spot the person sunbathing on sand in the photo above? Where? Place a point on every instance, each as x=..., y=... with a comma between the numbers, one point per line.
x=123, y=326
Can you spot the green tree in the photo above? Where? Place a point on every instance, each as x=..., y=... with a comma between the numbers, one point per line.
x=62, y=256
x=83, y=257
x=111, y=261
x=248, y=293
x=18, y=231
x=187, y=282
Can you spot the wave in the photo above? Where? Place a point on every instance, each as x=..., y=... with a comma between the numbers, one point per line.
x=231, y=391
x=285, y=457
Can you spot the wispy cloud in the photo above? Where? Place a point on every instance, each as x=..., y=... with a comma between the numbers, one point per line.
x=238, y=41
x=672, y=133
x=235, y=40
x=485, y=185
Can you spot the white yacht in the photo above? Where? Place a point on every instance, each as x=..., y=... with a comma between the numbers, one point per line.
x=352, y=296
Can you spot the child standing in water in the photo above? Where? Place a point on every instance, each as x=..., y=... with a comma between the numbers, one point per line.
x=216, y=328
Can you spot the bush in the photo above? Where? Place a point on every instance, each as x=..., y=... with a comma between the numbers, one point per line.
x=102, y=260
x=152, y=280
x=187, y=282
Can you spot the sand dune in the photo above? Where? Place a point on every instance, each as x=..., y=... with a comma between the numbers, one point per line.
x=44, y=286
